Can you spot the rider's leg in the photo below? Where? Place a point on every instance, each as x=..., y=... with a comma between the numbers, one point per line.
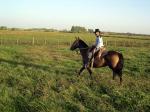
x=89, y=59
x=90, y=55
x=92, y=59
x=100, y=53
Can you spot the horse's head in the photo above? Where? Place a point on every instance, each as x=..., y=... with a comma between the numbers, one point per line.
x=78, y=43
x=75, y=44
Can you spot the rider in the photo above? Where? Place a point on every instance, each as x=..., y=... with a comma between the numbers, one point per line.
x=98, y=44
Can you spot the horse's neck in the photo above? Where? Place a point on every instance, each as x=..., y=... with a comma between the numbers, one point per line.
x=83, y=50
x=84, y=53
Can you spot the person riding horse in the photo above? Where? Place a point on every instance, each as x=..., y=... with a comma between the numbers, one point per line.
x=113, y=59
x=98, y=47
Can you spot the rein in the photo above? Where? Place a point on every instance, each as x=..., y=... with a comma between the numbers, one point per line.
x=83, y=48
x=78, y=49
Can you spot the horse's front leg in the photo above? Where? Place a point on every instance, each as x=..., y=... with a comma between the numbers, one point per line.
x=81, y=70
x=90, y=72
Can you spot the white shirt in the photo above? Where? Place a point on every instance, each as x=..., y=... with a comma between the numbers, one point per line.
x=99, y=42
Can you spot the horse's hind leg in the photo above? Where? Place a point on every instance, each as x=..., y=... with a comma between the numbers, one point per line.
x=120, y=75
x=114, y=75
x=89, y=70
x=120, y=80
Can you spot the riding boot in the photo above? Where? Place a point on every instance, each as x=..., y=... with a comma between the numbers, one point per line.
x=90, y=55
x=86, y=66
x=100, y=53
x=92, y=60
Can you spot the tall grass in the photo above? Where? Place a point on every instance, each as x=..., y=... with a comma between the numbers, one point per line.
x=44, y=78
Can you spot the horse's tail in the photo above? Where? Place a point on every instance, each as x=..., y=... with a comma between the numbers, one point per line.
x=120, y=64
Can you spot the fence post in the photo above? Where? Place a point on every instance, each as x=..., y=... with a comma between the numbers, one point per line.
x=69, y=47
x=33, y=41
x=106, y=42
x=58, y=45
x=45, y=41
x=70, y=44
x=36, y=41
x=17, y=41
x=58, y=49
x=124, y=44
x=115, y=43
x=1, y=41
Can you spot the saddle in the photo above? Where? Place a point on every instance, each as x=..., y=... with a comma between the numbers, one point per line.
x=100, y=53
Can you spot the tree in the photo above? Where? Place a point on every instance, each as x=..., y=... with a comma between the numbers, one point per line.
x=90, y=30
x=78, y=29
x=3, y=28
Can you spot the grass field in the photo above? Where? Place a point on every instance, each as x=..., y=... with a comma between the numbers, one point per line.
x=43, y=78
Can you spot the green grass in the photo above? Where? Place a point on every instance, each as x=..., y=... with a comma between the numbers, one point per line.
x=44, y=78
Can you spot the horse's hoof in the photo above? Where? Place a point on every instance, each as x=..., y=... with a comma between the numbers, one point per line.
x=120, y=84
x=91, y=78
x=76, y=71
x=78, y=74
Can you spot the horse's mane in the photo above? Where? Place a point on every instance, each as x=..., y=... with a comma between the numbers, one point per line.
x=83, y=43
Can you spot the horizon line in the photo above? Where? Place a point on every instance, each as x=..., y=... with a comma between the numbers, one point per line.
x=68, y=29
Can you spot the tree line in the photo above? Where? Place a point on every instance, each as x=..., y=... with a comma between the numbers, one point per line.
x=74, y=29
x=79, y=29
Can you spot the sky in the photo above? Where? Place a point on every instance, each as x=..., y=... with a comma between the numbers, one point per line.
x=107, y=15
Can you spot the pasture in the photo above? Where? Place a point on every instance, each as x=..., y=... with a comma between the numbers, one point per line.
x=38, y=74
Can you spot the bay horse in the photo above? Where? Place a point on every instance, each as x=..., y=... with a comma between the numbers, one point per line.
x=113, y=59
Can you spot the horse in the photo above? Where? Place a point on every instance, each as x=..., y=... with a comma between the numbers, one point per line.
x=113, y=59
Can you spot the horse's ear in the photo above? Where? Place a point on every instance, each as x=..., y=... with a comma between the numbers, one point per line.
x=78, y=38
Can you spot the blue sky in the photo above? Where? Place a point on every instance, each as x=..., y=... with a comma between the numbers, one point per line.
x=107, y=15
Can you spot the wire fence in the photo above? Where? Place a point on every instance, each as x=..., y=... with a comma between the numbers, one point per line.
x=41, y=42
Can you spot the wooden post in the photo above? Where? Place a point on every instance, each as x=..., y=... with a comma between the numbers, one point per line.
x=124, y=43
x=115, y=44
x=1, y=41
x=70, y=46
x=33, y=41
x=58, y=44
x=106, y=43
x=70, y=43
x=58, y=49
x=45, y=41
x=17, y=41
x=36, y=41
